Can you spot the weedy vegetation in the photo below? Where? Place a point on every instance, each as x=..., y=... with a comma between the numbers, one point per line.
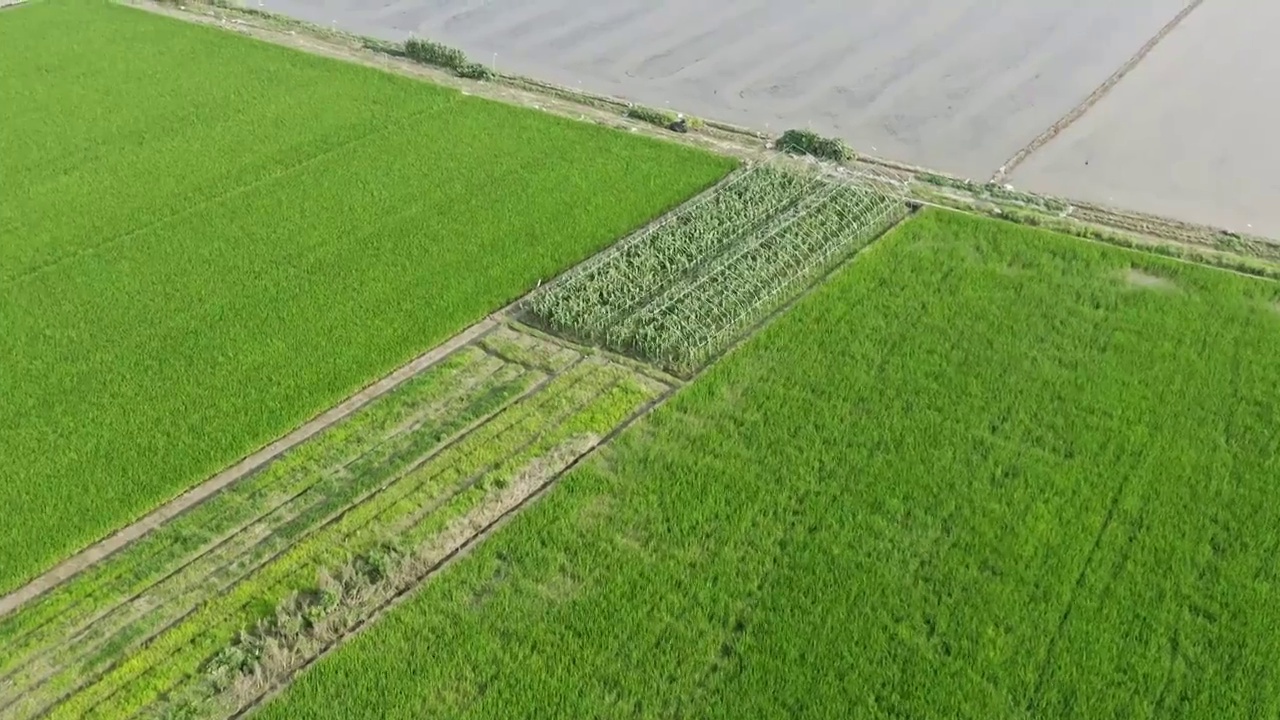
x=196, y=261
x=171, y=621
x=979, y=473
x=808, y=142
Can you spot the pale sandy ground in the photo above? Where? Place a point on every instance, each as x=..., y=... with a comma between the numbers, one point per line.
x=958, y=85
x=1191, y=133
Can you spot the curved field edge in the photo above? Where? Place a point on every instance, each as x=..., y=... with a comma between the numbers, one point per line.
x=251, y=247
x=985, y=471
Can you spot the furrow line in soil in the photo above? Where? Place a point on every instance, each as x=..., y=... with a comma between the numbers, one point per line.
x=1095, y=97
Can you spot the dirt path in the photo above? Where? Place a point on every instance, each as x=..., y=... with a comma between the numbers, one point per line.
x=99, y=551
x=1095, y=97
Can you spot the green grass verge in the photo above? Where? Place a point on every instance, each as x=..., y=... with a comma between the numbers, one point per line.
x=985, y=472
x=209, y=239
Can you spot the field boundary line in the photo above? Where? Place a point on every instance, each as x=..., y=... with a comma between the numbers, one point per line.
x=1094, y=97
x=464, y=548
x=99, y=551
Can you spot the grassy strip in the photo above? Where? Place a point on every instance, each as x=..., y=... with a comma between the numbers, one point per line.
x=994, y=192
x=529, y=350
x=987, y=471
x=225, y=230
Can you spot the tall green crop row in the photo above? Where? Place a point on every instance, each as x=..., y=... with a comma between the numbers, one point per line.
x=678, y=294
x=685, y=326
x=588, y=301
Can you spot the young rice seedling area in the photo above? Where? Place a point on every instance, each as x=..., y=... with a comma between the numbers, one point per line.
x=699, y=438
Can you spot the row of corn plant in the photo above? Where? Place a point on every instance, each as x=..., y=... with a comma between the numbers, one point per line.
x=677, y=294
x=589, y=301
x=684, y=328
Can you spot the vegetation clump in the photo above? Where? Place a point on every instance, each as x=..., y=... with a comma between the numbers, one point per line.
x=808, y=142
x=429, y=52
x=663, y=118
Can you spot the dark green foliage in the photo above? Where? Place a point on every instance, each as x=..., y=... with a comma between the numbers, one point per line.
x=429, y=52
x=808, y=142
x=475, y=71
x=654, y=116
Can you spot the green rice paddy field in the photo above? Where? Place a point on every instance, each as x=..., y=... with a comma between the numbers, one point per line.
x=985, y=472
x=205, y=240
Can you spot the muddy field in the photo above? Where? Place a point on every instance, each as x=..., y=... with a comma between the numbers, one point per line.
x=959, y=86
x=1189, y=133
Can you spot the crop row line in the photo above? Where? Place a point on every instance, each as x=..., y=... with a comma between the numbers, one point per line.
x=282, y=573
x=310, y=481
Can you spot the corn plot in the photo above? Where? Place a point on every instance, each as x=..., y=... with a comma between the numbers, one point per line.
x=680, y=292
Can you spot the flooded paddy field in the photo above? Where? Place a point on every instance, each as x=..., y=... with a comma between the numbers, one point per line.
x=1190, y=133
x=955, y=85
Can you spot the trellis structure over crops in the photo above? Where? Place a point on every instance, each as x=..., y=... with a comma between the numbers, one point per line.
x=679, y=292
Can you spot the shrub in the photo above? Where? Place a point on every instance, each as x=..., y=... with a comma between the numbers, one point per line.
x=808, y=142
x=661, y=118
x=474, y=71
x=434, y=53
